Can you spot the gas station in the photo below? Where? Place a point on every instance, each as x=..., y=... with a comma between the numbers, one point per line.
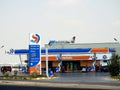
x=62, y=55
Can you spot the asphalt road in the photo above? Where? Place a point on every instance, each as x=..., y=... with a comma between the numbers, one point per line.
x=12, y=87
x=33, y=85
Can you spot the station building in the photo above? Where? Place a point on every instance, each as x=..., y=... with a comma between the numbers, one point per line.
x=85, y=55
x=65, y=55
x=75, y=56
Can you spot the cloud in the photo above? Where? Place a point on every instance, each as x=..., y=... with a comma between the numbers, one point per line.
x=61, y=20
x=116, y=23
x=62, y=3
x=72, y=23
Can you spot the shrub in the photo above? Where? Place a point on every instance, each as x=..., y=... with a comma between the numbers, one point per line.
x=114, y=65
x=34, y=74
x=15, y=73
x=6, y=74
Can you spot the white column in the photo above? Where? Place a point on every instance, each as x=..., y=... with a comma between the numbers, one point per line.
x=46, y=49
x=20, y=59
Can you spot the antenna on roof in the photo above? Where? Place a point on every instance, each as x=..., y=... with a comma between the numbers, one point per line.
x=2, y=46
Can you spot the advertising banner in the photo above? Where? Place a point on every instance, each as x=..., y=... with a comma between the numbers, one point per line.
x=34, y=54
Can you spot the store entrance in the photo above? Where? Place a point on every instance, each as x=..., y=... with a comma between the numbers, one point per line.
x=71, y=66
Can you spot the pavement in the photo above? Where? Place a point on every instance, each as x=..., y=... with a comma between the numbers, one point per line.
x=90, y=78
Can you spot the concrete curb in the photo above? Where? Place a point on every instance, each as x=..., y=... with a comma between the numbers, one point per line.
x=27, y=78
x=43, y=78
x=114, y=79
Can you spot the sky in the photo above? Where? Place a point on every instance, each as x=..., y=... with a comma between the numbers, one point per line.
x=91, y=21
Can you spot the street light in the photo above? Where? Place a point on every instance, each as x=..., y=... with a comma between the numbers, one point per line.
x=115, y=39
x=2, y=46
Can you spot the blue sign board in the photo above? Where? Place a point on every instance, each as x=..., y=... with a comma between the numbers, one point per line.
x=34, y=55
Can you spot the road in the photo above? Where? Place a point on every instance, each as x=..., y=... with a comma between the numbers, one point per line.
x=24, y=85
x=12, y=87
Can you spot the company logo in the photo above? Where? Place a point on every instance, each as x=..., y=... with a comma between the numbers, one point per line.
x=35, y=38
x=104, y=57
x=11, y=51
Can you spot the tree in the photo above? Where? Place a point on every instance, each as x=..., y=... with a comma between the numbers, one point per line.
x=114, y=65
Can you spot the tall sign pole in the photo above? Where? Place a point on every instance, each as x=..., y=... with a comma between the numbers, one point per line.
x=34, y=54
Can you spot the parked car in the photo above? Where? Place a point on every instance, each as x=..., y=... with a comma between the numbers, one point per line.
x=6, y=68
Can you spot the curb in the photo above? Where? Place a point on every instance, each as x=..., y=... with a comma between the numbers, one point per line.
x=114, y=79
x=38, y=78
x=43, y=78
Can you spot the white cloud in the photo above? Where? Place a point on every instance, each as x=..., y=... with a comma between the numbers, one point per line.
x=62, y=3
x=116, y=23
x=72, y=23
x=61, y=20
x=70, y=2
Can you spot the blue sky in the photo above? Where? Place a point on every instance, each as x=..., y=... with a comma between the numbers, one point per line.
x=91, y=21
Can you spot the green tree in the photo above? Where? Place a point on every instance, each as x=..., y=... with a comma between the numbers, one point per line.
x=114, y=65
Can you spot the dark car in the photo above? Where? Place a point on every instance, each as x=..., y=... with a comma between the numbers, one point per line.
x=6, y=68
x=104, y=69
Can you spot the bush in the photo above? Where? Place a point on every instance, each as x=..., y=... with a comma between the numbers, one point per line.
x=114, y=65
x=15, y=73
x=34, y=74
x=6, y=74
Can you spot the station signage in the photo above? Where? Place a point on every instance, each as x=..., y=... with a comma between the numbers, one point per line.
x=34, y=54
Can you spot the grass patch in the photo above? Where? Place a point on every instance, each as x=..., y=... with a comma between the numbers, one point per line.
x=116, y=77
x=15, y=77
x=30, y=77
